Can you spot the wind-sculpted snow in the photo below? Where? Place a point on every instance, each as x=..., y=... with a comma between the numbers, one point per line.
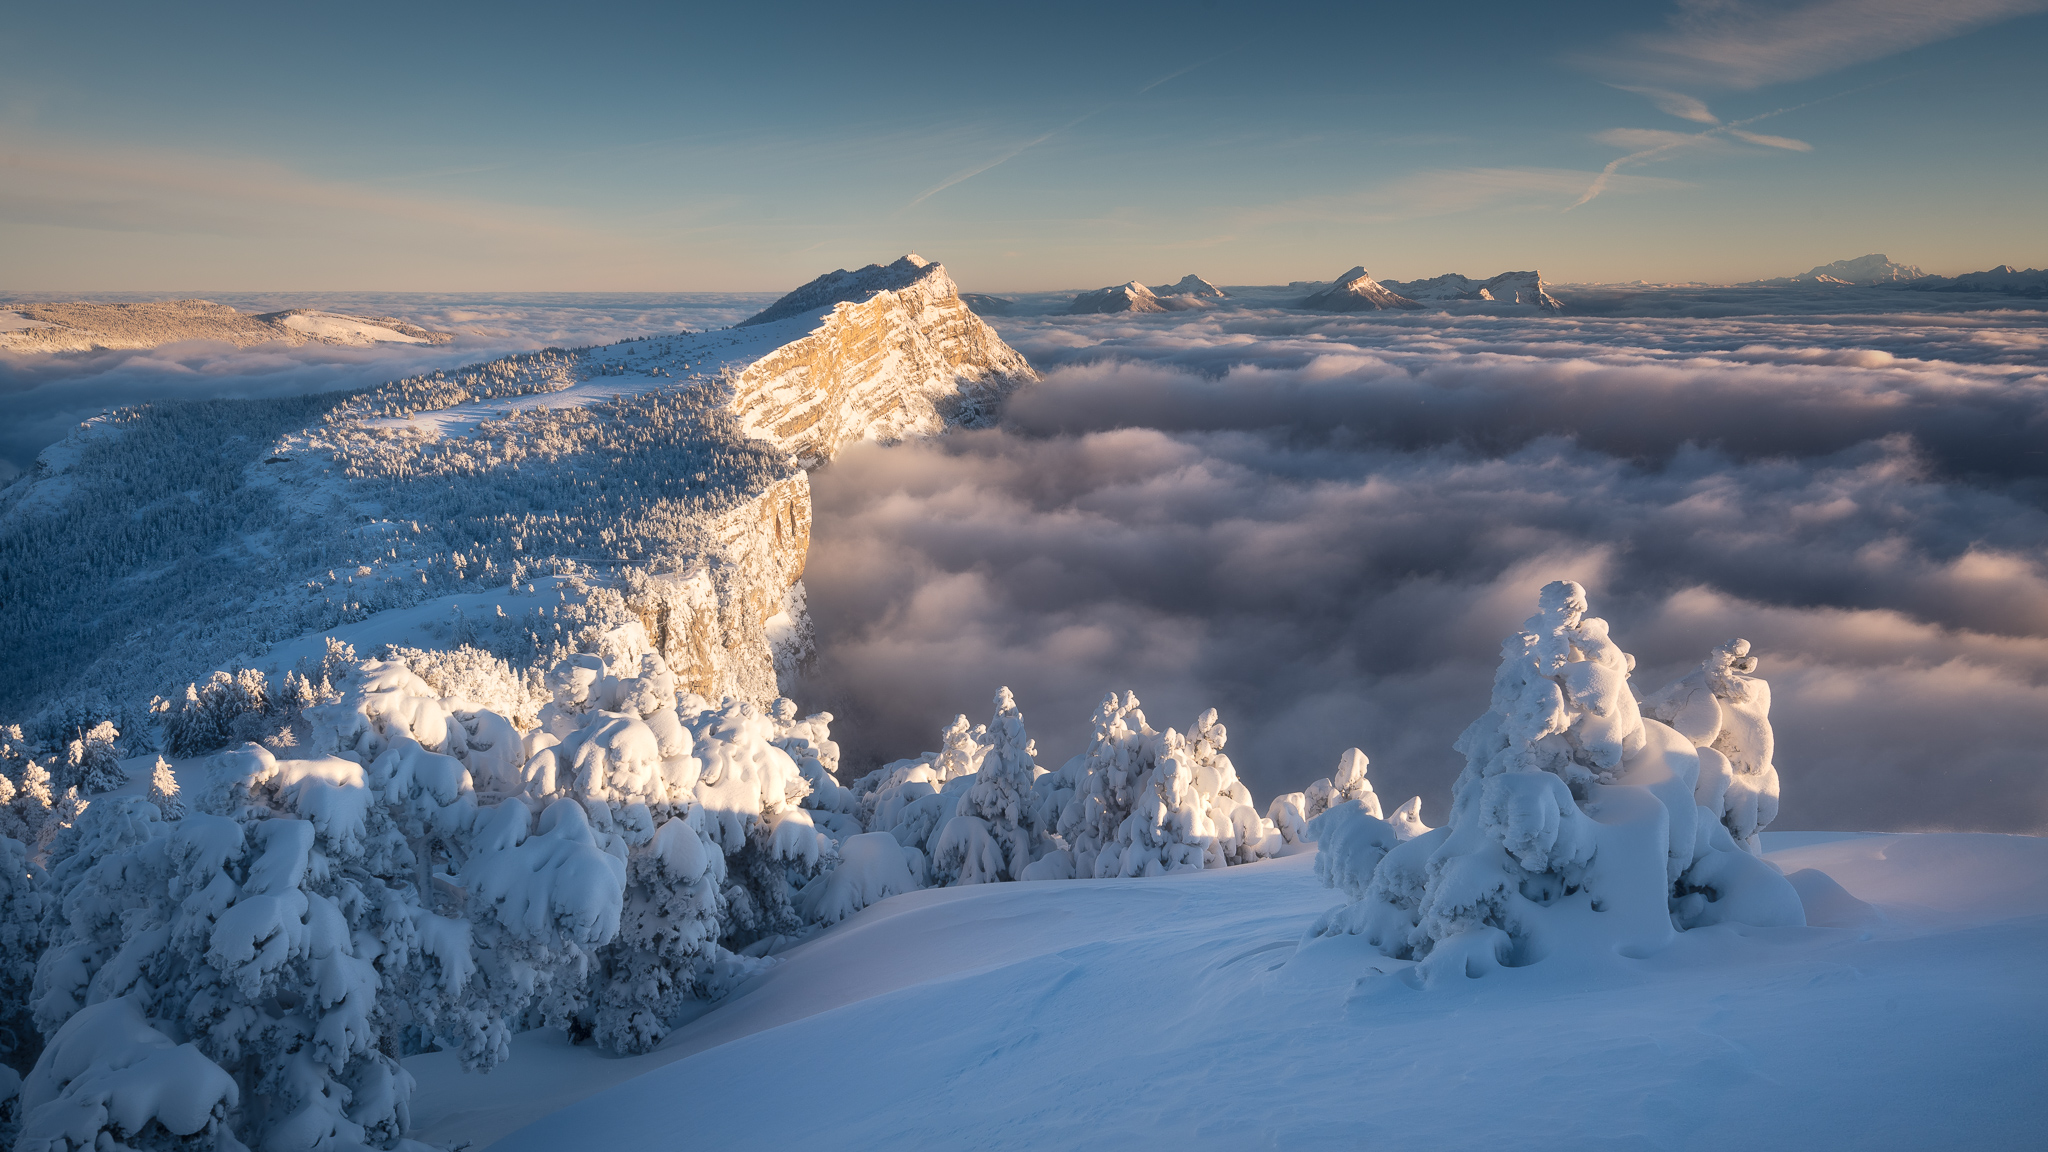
x=1322, y=524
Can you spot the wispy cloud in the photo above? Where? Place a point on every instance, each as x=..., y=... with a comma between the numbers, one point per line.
x=1676, y=103
x=1652, y=144
x=1742, y=44
x=1005, y=157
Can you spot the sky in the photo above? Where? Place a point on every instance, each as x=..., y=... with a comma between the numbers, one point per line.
x=623, y=147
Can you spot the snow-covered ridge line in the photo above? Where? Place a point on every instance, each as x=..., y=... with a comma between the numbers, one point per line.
x=80, y=326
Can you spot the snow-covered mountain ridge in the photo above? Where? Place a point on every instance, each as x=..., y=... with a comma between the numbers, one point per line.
x=79, y=326
x=246, y=525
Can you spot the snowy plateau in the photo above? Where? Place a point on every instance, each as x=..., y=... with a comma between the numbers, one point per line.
x=474, y=810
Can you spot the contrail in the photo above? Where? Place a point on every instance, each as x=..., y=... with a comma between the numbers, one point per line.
x=1599, y=184
x=968, y=173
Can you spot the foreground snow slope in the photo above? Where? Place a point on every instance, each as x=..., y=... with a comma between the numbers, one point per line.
x=1177, y=1012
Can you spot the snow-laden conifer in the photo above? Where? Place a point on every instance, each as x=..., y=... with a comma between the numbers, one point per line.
x=1725, y=711
x=92, y=760
x=1197, y=801
x=1525, y=868
x=993, y=835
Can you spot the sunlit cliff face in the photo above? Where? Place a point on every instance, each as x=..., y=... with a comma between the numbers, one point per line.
x=1323, y=528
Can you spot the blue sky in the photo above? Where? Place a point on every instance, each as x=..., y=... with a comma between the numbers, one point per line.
x=660, y=147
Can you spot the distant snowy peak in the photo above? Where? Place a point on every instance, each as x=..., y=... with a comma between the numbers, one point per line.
x=1520, y=288
x=1191, y=293
x=1437, y=289
x=1876, y=268
x=841, y=287
x=986, y=305
x=1356, y=291
x=1192, y=285
x=1131, y=297
x=2004, y=279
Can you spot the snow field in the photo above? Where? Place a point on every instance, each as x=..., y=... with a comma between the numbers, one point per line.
x=1177, y=1012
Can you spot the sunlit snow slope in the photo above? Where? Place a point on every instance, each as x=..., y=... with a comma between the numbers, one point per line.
x=1179, y=1012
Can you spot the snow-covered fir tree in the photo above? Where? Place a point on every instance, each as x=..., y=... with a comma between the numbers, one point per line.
x=993, y=834
x=1522, y=871
x=163, y=790
x=1725, y=710
x=92, y=760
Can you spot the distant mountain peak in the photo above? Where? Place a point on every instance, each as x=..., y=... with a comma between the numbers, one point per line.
x=1357, y=291
x=1192, y=285
x=844, y=287
x=1876, y=268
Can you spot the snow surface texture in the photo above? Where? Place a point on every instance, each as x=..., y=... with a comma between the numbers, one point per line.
x=1916, y=1029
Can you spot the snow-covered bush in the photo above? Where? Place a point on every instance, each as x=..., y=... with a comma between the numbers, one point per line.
x=1726, y=712
x=1144, y=802
x=1573, y=824
x=914, y=799
x=110, y=1081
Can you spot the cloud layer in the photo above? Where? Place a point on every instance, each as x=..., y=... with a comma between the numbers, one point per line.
x=1325, y=527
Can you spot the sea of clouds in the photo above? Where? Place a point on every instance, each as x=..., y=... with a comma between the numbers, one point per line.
x=1324, y=526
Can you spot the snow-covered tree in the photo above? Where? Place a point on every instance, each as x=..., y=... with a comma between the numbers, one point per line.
x=34, y=805
x=92, y=760
x=1198, y=801
x=1522, y=870
x=992, y=835
x=109, y=1080
x=163, y=790
x=1349, y=782
x=1725, y=711
x=914, y=799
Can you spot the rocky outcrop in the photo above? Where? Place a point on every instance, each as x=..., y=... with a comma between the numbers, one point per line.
x=716, y=620
x=1356, y=291
x=885, y=353
x=80, y=326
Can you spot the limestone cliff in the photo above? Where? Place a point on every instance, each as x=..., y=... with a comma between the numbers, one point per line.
x=884, y=354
